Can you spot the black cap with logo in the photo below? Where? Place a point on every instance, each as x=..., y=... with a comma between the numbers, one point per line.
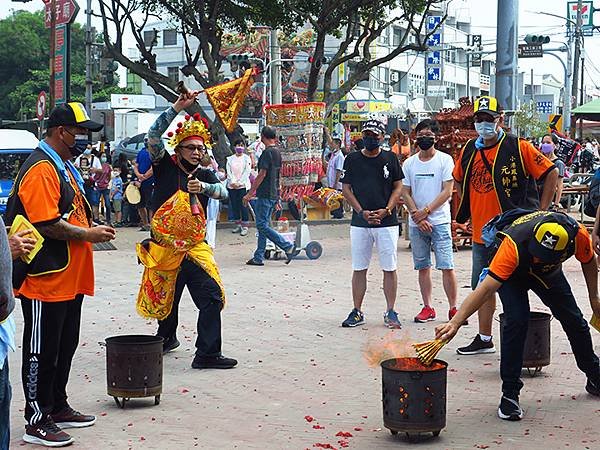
x=72, y=115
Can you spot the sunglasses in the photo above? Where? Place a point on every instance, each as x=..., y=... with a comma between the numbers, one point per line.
x=193, y=148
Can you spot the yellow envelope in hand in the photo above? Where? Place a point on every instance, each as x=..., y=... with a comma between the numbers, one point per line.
x=20, y=224
x=595, y=322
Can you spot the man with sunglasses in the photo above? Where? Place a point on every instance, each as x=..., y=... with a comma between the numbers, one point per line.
x=183, y=172
x=500, y=171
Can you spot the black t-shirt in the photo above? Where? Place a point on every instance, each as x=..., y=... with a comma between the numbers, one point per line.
x=372, y=181
x=168, y=177
x=270, y=160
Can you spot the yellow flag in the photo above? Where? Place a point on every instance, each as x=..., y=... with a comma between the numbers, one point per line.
x=227, y=98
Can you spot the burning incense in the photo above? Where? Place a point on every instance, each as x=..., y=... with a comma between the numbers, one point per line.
x=427, y=351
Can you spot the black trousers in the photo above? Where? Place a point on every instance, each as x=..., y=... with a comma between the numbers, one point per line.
x=50, y=338
x=556, y=294
x=206, y=295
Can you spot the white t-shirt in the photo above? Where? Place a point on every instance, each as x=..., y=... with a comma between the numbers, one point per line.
x=336, y=162
x=425, y=180
x=83, y=163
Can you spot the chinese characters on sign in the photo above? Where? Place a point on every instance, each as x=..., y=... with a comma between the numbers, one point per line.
x=65, y=12
x=60, y=65
x=544, y=107
x=433, y=74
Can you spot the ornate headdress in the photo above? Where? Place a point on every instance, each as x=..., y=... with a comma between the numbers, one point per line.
x=194, y=126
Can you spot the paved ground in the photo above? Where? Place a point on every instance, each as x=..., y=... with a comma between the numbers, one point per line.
x=283, y=324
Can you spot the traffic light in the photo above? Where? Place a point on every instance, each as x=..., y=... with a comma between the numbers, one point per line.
x=537, y=39
x=318, y=61
x=239, y=60
x=108, y=67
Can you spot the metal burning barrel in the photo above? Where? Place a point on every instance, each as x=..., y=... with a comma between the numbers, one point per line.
x=134, y=367
x=414, y=396
x=536, y=352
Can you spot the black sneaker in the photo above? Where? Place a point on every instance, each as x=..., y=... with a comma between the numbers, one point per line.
x=354, y=319
x=170, y=344
x=291, y=254
x=213, y=362
x=47, y=433
x=69, y=418
x=509, y=408
x=476, y=347
x=593, y=387
x=253, y=262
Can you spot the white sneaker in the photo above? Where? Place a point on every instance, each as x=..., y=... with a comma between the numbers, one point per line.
x=237, y=229
x=244, y=231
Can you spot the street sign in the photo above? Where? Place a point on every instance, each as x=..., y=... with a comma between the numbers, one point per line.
x=544, y=107
x=60, y=65
x=436, y=91
x=476, y=40
x=65, y=12
x=433, y=21
x=435, y=40
x=530, y=51
x=587, y=13
x=40, y=108
x=434, y=58
x=434, y=74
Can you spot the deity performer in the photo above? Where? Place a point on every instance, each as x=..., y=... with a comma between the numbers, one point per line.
x=177, y=255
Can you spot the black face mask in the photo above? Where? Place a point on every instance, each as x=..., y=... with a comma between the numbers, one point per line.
x=78, y=146
x=425, y=142
x=371, y=143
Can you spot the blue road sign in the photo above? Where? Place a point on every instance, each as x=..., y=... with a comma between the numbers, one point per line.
x=434, y=58
x=433, y=21
x=435, y=40
x=434, y=74
x=545, y=107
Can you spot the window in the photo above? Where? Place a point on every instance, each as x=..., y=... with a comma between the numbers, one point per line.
x=380, y=78
x=150, y=38
x=450, y=91
x=397, y=34
x=169, y=37
x=398, y=80
x=173, y=73
x=134, y=83
x=384, y=37
x=416, y=84
x=450, y=56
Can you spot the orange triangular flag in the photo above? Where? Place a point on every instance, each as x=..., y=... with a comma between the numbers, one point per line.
x=227, y=98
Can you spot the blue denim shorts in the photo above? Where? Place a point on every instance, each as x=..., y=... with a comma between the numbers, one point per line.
x=440, y=239
x=481, y=256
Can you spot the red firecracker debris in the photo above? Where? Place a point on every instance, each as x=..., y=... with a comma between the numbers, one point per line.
x=343, y=444
x=357, y=429
x=184, y=391
x=103, y=414
x=345, y=434
x=318, y=427
x=324, y=445
x=309, y=418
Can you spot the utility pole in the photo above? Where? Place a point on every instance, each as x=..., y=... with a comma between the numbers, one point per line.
x=581, y=96
x=506, y=53
x=532, y=90
x=52, y=52
x=578, y=42
x=88, y=57
x=275, y=69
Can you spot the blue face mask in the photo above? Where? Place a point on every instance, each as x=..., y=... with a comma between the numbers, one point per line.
x=487, y=130
x=371, y=143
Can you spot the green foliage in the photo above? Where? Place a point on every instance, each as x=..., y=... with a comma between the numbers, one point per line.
x=528, y=122
x=24, y=61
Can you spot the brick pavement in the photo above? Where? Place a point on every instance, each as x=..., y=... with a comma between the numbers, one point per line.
x=282, y=323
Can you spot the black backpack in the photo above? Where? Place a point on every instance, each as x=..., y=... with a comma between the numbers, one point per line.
x=592, y=199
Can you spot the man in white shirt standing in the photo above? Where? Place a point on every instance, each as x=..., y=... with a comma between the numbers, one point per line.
x=427, y=188
x=335, y=168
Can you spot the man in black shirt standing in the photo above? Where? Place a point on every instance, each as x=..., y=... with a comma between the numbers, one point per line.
x=372, y=184
x=266, y=187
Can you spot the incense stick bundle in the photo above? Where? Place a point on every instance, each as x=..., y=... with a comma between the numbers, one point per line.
x=427, y=351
